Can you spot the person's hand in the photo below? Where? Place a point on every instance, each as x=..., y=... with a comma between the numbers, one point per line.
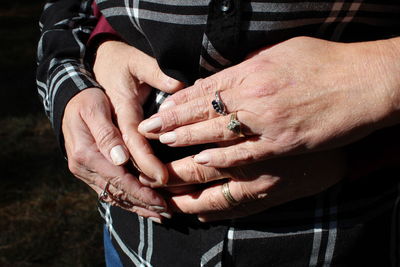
x=256, y=187
x=91, y=143
x=126, y=74
x=301, y=95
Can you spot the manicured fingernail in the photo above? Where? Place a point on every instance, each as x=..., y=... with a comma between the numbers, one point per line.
x=166, y=215
x=166, y=104
x=168, y=138
x=202, y=158
x=201, y=219
x=261, y=196
x=148, y=181
x=154, y=219
x=151, y=125
x=172, y=83
x=158, y=208
x=118, y=155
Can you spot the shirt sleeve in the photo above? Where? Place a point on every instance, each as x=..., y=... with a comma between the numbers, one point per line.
x=65, y=28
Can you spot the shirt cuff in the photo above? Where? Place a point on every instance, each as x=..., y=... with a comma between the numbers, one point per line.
x=72, y=78
x=101, y=33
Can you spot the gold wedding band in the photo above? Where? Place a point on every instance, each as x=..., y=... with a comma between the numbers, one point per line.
x=227, y=195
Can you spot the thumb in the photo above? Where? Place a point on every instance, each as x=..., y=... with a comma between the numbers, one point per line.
x=97, y=116
x=146, y=69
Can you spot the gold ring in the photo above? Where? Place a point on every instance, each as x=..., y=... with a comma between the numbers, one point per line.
x=227, y=195
x=234, y=125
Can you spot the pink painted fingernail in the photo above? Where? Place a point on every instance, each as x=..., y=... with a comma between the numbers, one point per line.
x=150, y=125
x=168, y=138
x=202, y=158
x=167, y=104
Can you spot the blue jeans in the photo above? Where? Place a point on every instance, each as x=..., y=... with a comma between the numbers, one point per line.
x=111, y=255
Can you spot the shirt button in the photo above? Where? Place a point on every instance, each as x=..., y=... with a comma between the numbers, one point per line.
x=226, y=5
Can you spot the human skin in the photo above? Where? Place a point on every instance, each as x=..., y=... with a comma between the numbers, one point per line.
x=96, y=148
x=281, y=75
x=298, y=97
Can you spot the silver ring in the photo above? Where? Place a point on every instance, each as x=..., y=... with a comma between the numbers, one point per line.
x=218, y=105
x=227, y=195
x=234, y=125
x=126, y=204
x=104, y=194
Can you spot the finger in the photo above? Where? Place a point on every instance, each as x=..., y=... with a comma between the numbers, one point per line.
x=210, y=131
x=129, y=114
x=87, y=163
x=97, y=116
x=144, y=212
x=196, y=110
x=185, y=172
x=211, y=204
x=251, y=150
x=146, y=69
x=225, y=79
x=124, y=188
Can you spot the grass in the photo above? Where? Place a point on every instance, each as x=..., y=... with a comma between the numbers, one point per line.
x=47, y=217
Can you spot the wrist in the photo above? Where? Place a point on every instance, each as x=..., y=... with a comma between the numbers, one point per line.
x=378, y=67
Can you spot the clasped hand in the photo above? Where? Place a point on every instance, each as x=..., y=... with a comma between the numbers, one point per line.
x=299, y=96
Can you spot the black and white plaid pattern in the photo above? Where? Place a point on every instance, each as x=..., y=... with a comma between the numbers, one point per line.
x=351, y=224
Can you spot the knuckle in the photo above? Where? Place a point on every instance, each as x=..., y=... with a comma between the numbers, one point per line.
x=218, y=131
x=214, y=203
x=80, y=156
x=105, y=135
x=243, y=155
x=196, y=173
x=116, y=182
x=169, y=118
x=186, y=137
x=74, y=167
x=93, y=109
x=246, y=193
x=208, y=85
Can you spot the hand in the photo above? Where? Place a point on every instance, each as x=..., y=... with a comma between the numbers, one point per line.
x=302, y=95
x=90, y=137
x=126, y=74
x=257, y=186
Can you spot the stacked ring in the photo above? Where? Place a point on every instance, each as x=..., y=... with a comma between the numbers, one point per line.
x=227, y=195
x=218, y=105
x=120, y=202
x=234, y=125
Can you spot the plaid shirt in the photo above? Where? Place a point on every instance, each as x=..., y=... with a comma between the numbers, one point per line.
x=351, y=224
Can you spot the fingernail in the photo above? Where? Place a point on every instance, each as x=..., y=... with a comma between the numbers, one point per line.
x=201, y=219
x=202, y=158
x=166, y=104
x=166, y=215
x=172, y=83
x=148, y=181
x=118, y=155
x=168, y=138
x=150, y=125
x=158, y=208
x=154, y=219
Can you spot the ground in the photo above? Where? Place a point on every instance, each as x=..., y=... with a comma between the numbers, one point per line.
x=47, y=217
